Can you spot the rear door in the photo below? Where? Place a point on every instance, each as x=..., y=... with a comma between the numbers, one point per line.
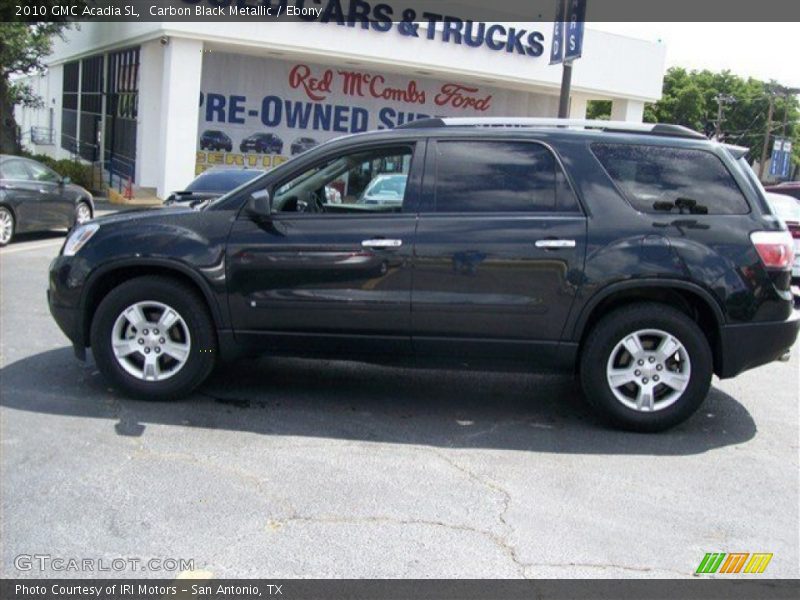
x=328, y=272
x=499, y=251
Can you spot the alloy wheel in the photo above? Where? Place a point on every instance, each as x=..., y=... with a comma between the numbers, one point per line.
x=648, y=370
x=83, y=213
x=6, y=226
x=151, y=341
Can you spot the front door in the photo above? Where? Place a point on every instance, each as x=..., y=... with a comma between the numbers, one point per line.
x=499, y=250
x=55, y=210
x=330, y=271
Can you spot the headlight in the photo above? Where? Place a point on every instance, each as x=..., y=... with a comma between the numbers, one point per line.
x=79, y=237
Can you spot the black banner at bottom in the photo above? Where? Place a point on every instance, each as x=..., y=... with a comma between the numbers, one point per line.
x=394, y=589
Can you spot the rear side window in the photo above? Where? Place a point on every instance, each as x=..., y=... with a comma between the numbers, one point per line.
x=14, y=169
x=500, y=176
x=658, y=179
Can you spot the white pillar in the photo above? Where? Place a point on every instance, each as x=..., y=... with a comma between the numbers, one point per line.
x=180, y=110
x=577, y=106
x=148, y=126
x=627, y=110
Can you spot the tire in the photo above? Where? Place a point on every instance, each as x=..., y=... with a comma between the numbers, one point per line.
x=80, y=209
x=192, y=333
x=656, y=327
x=8, y=226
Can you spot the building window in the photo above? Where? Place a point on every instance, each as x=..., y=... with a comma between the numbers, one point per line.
x=91, y=107
x=69, y=107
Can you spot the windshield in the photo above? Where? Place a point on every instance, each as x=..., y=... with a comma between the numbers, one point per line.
x=222, y=180
x=389, y=187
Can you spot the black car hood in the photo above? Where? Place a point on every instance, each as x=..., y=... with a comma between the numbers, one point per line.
x=142, y=215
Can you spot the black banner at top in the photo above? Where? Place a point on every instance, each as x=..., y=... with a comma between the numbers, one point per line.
x=367, y=13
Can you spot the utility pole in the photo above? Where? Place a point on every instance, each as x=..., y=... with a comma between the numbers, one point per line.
x=721, y=99
x=765, y=148
x=566, y=84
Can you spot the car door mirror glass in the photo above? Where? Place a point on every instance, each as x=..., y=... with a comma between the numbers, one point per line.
x=65, y=181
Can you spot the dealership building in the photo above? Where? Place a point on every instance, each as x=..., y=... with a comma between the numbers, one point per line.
x=155, y=103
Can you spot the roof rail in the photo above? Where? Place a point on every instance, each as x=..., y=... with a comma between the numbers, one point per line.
x=619, y=126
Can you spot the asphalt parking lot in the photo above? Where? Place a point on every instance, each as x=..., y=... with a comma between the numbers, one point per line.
x=289, y=468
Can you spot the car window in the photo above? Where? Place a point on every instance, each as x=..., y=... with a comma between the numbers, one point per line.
x=221, y=180
x=42, y=173
x=346, y=184
x=658, y=179
x=14, y=169
x=500, y=176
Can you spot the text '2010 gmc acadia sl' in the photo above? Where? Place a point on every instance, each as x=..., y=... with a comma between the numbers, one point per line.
x=642, y=257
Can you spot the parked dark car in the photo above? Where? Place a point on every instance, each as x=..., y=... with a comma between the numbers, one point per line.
x=643, y=258
x=303, y=144
x=212, y=184
x=33, y=197
x=263, y=143
x=789, y=188
x=787, y=209
x=213, y=139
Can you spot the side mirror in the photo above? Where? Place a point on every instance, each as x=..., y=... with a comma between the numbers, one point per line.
x=259, y=205
x=65, y=181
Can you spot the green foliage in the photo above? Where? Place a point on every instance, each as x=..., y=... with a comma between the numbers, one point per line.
x=23, y=46
x=598, y=109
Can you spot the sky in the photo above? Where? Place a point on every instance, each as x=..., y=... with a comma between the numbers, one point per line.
x=761, y=50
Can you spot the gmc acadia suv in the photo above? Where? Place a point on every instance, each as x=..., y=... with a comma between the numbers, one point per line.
x=642, y=257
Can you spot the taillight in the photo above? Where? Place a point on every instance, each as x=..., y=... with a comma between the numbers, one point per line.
x=775, y=248
x=794, y=229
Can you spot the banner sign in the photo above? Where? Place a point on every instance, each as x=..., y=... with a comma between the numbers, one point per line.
x=258, y=112
x=781, y=159
x=557, y=45
x=576, y=15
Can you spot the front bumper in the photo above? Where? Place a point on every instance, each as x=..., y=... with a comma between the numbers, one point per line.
x=751, y=345
x=68, y=321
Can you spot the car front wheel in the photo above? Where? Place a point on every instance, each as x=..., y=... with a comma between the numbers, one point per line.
x=153, y=338
x=646, y=367
x=7, y=226
x=83, y=213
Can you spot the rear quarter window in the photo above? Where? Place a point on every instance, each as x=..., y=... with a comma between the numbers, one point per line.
x=660, y=179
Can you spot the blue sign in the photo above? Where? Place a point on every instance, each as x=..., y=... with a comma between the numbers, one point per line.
x=576, y=15
x=557, y=47
x=781, y=159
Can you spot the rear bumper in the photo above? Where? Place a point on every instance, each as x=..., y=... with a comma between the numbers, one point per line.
x=751, y=345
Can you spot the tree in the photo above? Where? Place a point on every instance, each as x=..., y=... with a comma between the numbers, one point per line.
x=22, y=49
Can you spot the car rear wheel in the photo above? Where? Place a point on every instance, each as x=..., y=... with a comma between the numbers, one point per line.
x=83, y=213
x=153, y=338
x=7, y=226
x=646, y=367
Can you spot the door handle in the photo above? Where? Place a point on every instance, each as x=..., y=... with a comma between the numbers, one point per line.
x=555, y=243
x=382, y=243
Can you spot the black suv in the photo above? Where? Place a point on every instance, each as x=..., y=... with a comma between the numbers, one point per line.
x=263, y=143
x=644, y=258
x=213, y=139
